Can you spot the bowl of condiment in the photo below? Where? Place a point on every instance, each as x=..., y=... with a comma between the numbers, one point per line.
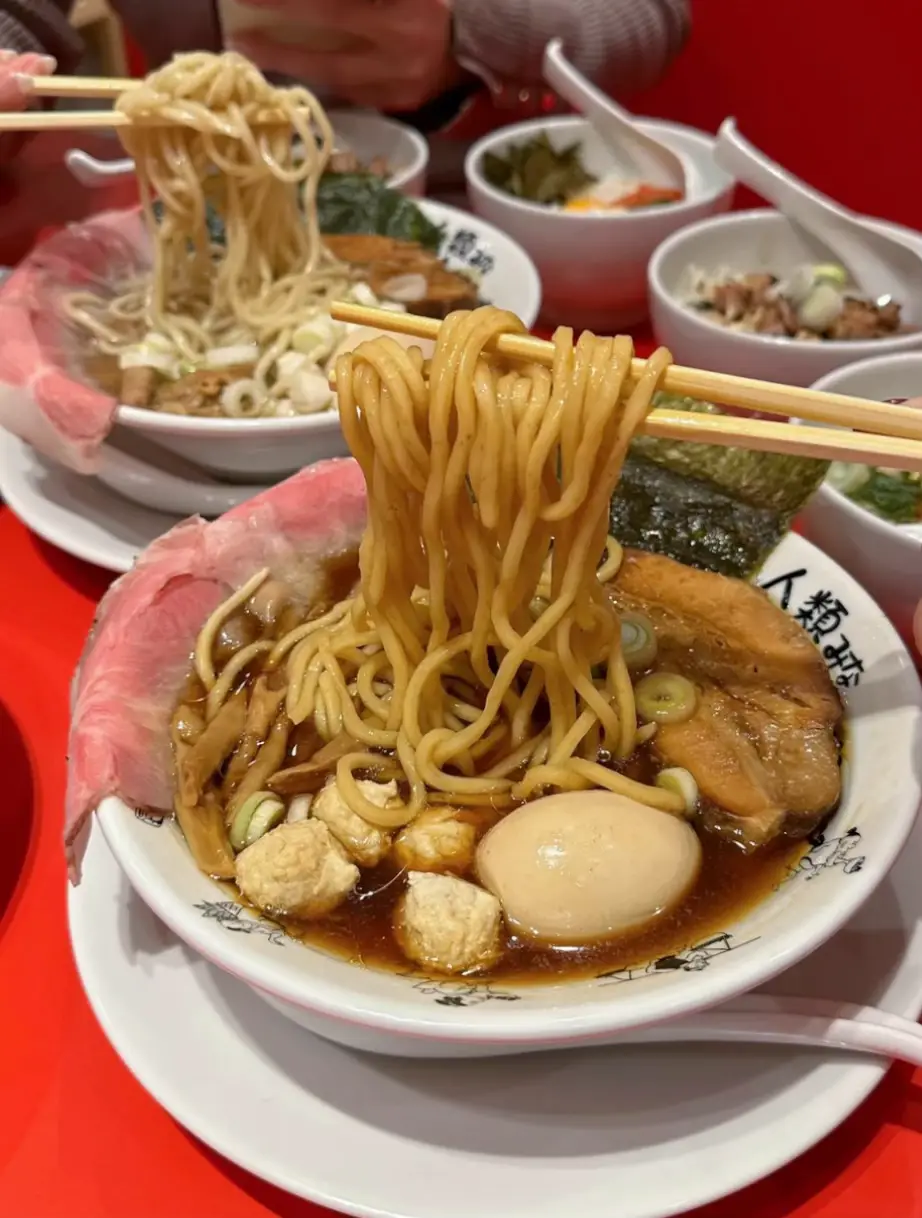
x=868, y=519
x=553, y=185
x=751, y=295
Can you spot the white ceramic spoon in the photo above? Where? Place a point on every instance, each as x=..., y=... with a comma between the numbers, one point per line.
x=92, y=172
x=811, y=1022
x=882, y=265
x=636, y=154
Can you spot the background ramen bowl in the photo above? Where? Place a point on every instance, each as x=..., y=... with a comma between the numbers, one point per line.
x=885, y=558
x=753, y=241
x=594, y=265
x=261, y=451
x=367, y=135
x=412, y=1015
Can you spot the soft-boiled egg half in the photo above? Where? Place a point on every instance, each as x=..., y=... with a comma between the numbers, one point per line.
x=587, y=865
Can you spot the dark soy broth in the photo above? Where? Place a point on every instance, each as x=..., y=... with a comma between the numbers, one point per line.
x=731, y=881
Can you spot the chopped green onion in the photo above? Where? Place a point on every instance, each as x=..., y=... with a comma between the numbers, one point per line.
x=638, y=641
x=665, y=697
x=682, y=783
x=299, y=808
x=830, y=272
x=848, y=477
x=149, y=357
x=255, y=816
x=231, y=357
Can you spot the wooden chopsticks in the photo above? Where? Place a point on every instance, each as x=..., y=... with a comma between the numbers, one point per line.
x=70, y=120
x=77, y=120
x=79, y=86
x=884, y=435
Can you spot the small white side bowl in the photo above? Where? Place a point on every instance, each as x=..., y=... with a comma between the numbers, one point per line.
x=262, y=451
x=753, y=241
x=404, y=149
x=367, y=135
x=593, y=265
x=412, y=1015
x=884, y=558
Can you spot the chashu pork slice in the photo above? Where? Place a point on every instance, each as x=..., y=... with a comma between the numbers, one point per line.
x=138, y=656
x=763, y=742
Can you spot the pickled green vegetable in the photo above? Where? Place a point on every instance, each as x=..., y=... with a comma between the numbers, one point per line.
x=536, y=171
x=894, y=495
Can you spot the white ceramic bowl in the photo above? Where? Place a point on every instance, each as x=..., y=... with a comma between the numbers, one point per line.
x=884, y=558
x=262, y=451
x=753, y=241
x=594, y=266
x=367, y=135
x=416, y=1016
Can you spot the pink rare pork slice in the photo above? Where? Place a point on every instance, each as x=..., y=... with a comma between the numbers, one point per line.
x=138, y=654
x=44, y=397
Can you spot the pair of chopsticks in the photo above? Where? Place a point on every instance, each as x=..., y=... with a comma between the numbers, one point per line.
x=884, y=435
x=69, y=120
x=79, y=120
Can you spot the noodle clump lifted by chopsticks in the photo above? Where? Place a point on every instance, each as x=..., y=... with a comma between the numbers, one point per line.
x=481, y=656
x=210, y=130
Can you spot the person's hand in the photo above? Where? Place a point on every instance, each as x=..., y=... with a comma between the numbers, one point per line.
x=399, y=52
x=14, y=72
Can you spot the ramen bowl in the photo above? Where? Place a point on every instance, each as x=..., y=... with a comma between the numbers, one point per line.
x=261, y=451
x=759, y=240
x=884, y=557
x=593, y=265
x=412, y=1014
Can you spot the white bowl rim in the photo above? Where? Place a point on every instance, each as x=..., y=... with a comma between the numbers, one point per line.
x=420, y=158
x=861, y=515
x=857, y=350
x=518, y=1024
x=139, y=419
x=486, y=143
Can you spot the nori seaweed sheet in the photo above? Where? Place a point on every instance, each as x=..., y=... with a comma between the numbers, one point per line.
x=355, y=203
x=691, y=520
x=720, y=509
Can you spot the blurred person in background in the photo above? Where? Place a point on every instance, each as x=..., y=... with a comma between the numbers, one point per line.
x=420, y=59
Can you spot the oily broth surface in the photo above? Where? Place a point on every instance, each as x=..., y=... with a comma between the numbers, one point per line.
x=730, y=883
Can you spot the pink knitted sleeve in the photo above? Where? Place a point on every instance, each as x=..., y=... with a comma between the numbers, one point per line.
x=624, y=45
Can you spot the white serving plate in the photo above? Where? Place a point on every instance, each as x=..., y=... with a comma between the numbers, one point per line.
x=74, y=512
x=408, y=1015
